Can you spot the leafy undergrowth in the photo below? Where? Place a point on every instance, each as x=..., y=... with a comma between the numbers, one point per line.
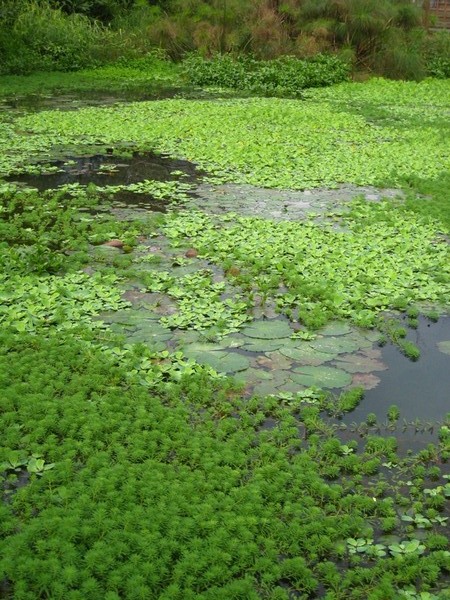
x=115, y=492
x=385, y=259
x=434, y=199
x=45, y=243
x=135, y=473
x=284, y=76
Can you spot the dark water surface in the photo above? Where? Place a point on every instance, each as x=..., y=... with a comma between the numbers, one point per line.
x=106, y=170
x=420, y=389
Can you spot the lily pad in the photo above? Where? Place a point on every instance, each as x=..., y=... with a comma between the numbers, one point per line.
x=336, y=328
x=370, y=352
x=199, y=347
x=274, y=361
x=264, y=311
x=308, y=356
x=221, y=361
x=367, y=380
x=265, y=388
x=356, y=363
x=259, y=345
x=128, y=316
x=372, y=335
x=232, y=341
x=268, y=330
x=253, y=375
x=327, y=377
x=444, y=346
x=184, y=337
x=334, y=345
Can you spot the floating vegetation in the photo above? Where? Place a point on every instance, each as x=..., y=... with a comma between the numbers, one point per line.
x=384, y=261
x=131, y=466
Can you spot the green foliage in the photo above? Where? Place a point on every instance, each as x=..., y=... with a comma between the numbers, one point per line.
x=201, y=302
x=437, y=53
x=284, y=76
x=383, y=36
x=319, y=266
x=42, y=36
x=318, y=142
x=124, y=76
x=131, y=472
x=229, y=505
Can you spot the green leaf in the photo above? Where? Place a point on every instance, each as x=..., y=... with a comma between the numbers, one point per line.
x=268, y=330
x=327, y=377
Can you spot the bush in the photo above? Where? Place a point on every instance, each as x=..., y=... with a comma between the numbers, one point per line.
x=284, y=76
x=437, y=54
x=38, y=37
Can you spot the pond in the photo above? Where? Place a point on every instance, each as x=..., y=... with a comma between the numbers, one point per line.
x=270, y=356
x=210, y=332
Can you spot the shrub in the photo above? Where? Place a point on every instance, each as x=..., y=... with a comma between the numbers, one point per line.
x=284, y=76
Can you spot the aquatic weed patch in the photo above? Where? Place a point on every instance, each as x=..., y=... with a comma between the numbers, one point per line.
x=45, y=242
x=208, y=505
x=385, y=260
x=267, y=142
x=128, y=75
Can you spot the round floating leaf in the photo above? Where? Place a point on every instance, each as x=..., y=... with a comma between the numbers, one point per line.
x=184, y=337
x=268, y=330
x=254, y=375
x=274, y=361
x=336, y=328
x=291, y=386
x=223, y=362
x=444, y=346
x=270, y=387
x=356, y=363
x=327, y=377
x=259, y=345
x=128, y=316
x=199, y=347
x=334, y=345
x=367, y=380
x=362, y=341
x=372, y=335
x=148, y=338
x=305, y=354
x=232, y=341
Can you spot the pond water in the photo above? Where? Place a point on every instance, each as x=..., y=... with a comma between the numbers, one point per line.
x=420, y=389
x=266, y=355
x=108, y=170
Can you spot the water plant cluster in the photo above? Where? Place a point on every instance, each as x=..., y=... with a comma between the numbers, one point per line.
x=284, y=76
x=316, y=143
x=383, y=259
x=207, y=504
x=130, y=467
